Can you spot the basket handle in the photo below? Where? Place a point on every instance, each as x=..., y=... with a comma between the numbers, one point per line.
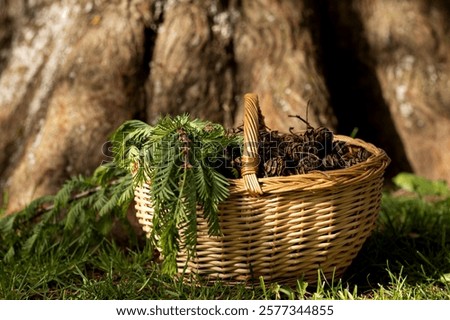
x=250, y=158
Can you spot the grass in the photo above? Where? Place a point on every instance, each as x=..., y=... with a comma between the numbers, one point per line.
x=407, y=257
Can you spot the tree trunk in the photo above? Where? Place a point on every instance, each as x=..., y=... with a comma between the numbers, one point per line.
x=208, y=53
x=411, y=58
x=71, y=71
x=386, y=64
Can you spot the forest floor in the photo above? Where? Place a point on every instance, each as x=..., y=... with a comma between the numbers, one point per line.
x=406, y=257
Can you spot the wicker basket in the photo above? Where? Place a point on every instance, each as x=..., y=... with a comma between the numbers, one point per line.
x=285, y=228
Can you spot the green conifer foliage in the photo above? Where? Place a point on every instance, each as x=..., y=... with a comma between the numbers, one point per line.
x=182, y=159
x=179, y=158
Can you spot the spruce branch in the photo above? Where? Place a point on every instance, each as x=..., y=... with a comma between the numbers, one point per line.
x=182, y=159
x=180, y=162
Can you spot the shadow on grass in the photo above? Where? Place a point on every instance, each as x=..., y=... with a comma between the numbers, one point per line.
x=410, y=242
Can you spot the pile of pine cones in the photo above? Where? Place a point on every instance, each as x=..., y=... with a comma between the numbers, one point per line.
x=284, y=154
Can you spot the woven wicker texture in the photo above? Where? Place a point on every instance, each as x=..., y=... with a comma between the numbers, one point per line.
x=299, y=223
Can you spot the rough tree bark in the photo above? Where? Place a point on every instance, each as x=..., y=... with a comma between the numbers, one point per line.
x=73, y=73
x=411, y=59
x=207, y=53
x=72, y=70
x=387, y=64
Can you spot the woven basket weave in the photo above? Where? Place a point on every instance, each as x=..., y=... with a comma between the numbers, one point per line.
x=284, y=228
